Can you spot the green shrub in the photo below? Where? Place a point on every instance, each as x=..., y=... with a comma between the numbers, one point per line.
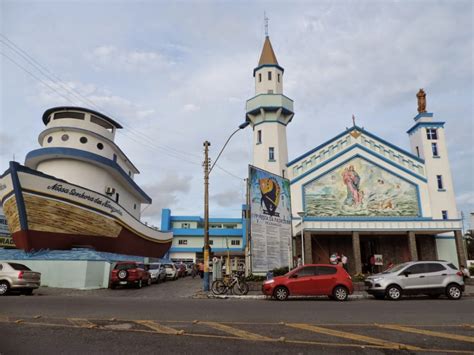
x=358, y=277
x=280, y=271
x=255, y=278
x=471, y=270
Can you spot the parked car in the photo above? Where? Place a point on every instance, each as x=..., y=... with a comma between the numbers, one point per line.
x=14, y=276
x=433, y=278
x=171, y=271
x=181, y=270
x=157, y=272
x=311, y=280
x=127, y=273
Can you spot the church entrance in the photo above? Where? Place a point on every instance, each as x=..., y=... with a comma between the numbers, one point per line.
x=368, y=247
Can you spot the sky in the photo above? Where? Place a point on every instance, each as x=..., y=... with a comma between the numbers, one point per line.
x=177, y=73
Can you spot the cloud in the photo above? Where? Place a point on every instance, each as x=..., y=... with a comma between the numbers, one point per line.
x=74, y=93
x=191, y=108
x=228, y=198
x=166, y=193
x=107, y=57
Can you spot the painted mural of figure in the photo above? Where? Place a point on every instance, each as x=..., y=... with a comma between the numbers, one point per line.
x=352, y=181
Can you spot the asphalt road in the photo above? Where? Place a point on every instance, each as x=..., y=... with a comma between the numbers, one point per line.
x=163, y=318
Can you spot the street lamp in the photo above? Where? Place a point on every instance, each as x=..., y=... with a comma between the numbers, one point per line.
x=301, y=214
x=207, y=172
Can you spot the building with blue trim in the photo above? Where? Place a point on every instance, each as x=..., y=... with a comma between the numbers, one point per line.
x=357, y=193
x=226, y=235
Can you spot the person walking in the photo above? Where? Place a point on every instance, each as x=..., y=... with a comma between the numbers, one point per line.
x=465, y=273
x=300, y=261
x=344, y=261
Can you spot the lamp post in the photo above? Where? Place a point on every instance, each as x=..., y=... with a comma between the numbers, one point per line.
x=301, y=214
x=207, y=172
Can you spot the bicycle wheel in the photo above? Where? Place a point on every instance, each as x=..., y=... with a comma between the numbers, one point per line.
x=218, y=287
x=240, y=288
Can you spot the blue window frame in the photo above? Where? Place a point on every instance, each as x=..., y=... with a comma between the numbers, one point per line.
x=432, y=133
x=271, y=154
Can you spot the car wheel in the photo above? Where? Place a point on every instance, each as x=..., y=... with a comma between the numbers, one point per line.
x=379, y=297
x=4, y=287
x=281, y=293
x=340, y=293
x=393, y=292
x=140, y=284
x=434, y=295
x=453, y=292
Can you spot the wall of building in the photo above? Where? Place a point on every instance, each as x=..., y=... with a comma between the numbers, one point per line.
x=75, y=274
x=446, y=249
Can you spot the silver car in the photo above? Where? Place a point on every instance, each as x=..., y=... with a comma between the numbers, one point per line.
x=14, y=276
x=433, y=278
x=157, y=272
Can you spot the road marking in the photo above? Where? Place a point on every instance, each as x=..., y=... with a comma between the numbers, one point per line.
x=352, y=336
x=81, y=322
x=427, y=332
x=236, y=332
x=159, y=328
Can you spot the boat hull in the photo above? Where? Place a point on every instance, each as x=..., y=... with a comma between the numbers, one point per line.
x=47, y=213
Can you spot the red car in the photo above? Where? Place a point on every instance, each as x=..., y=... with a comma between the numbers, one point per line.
x=129, y=273
x=311, y=280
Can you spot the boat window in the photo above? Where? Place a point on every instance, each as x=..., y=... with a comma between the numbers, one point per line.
x=83, y=140
x=50, y=139
x=64, y=137
x=100, y=146
x=67, y=114
x=102, y=123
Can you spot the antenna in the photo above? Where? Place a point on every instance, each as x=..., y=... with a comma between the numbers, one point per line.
x=353, y=120
x=265, y=20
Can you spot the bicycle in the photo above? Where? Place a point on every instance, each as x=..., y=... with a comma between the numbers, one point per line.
x=235, y=284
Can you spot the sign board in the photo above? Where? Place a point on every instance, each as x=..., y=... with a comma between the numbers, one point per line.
x=270, y=220
x=378, y=259
x=6, y=242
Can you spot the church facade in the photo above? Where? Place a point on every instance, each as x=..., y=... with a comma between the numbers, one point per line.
x=357, y=194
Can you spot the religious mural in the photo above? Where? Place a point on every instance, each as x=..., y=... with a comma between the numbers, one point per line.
x=359, y=188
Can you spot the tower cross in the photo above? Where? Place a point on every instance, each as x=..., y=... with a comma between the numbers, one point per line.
x=353, y=120
x=265, y=20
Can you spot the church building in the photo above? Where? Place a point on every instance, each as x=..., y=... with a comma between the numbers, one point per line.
x=357, y=194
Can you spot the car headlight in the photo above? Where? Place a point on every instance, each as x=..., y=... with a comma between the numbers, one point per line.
x=377, y=279
x=269, y=282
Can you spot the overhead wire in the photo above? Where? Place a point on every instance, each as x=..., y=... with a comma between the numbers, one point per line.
x=148, y=141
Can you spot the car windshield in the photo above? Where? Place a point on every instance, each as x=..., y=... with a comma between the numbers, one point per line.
x=154, y=266
x=125, y=266
x=19, y=267
x=395, y=268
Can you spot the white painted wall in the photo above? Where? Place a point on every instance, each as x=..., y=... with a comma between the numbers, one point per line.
x=266, y=86
x=446, y=249
x=440, y=200
x=80, y=274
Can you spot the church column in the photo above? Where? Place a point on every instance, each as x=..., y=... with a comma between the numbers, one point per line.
x=412, y=246
x=461, y=251
x=356, y=252
x=308, y=248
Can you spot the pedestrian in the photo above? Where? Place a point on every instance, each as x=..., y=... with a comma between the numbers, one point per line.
x=372, y=263
x=465, y=273
x=299, y=262
x=344, y=261
x=333, y=259
x=201, y=269
x=194, y=270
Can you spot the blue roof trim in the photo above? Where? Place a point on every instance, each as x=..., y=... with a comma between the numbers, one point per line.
x=357, y=128
x=20, y=202
x=364, y=149
x=366, y=219
x=268, y=66
x=422, y=114
x=420, y=208
x=186, y=219
x=425, y=124
x=77, y=153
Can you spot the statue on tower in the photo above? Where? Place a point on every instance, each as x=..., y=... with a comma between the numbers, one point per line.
x=421, y=96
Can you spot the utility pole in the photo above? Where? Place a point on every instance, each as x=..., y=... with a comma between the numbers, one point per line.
x=206, y=215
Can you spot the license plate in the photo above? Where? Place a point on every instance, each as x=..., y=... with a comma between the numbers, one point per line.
x=123, y=282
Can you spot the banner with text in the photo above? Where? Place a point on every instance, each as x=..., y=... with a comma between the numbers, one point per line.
x=270, y=220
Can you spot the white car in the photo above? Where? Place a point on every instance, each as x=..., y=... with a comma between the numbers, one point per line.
x=171, y=271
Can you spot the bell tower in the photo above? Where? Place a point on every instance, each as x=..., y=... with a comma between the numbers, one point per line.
x=269, y=112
